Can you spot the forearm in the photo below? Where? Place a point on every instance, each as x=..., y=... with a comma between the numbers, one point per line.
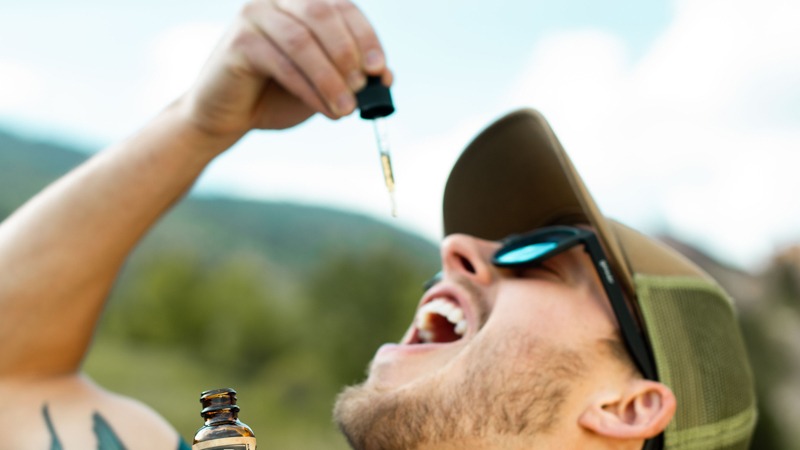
x=60, y=253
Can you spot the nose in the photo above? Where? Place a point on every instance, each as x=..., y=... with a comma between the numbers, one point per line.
x=468, y=257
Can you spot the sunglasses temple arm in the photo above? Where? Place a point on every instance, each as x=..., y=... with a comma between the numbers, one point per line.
x=634, y=340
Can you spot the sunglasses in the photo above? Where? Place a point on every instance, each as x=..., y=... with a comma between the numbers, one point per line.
x=530, y=249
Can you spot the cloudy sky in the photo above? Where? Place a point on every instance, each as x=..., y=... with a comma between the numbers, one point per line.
x=682, y=115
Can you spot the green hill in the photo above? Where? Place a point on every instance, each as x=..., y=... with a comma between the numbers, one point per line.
x=289, y=233
x=26, y=166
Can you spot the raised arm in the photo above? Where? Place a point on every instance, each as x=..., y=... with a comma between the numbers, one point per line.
x=281, y=62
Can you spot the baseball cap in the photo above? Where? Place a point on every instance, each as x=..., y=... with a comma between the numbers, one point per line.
x=515, y=177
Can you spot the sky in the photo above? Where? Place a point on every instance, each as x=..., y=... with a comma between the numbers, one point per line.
x=683, y=116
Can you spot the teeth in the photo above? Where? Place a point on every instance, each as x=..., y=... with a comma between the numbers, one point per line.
x=461, y=327
x=425, y=336
x=455, y=316
x=444, y=308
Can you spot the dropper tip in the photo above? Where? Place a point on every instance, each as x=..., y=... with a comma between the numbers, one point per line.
x=394, y=204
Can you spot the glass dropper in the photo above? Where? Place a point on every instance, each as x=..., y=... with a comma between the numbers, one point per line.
x=375, y=104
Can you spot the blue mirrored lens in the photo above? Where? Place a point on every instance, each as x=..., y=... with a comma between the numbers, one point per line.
x=526, y=253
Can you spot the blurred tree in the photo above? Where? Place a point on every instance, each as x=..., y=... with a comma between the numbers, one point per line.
x=771, y=332
x=223, y=312
x=360, y=302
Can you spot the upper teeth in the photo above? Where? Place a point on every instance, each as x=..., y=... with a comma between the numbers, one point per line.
x=444, y=308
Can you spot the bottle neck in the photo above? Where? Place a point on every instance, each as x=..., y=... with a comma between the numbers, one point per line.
x=223, y=415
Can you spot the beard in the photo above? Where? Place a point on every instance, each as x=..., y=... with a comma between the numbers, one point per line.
x=512, y=391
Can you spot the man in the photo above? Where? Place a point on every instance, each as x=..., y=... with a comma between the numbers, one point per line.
x=576, y=333
x=586, y=336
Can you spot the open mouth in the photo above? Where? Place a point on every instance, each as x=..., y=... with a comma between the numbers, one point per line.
x=440, y=320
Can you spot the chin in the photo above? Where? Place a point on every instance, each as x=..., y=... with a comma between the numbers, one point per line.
x=420, y=395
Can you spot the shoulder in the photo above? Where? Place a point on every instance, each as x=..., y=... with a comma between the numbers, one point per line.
x=77, y=413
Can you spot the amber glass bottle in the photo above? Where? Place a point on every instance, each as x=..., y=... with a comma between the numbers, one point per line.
x=222, y=430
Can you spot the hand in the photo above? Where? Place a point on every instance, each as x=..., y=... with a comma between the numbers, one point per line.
x=282, y=61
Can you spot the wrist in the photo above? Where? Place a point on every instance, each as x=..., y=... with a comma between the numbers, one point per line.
x=206, y=141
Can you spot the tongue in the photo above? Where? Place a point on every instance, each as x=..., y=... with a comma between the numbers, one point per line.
x=442, y=330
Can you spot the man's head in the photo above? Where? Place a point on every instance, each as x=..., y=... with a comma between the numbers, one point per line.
x=520, y=355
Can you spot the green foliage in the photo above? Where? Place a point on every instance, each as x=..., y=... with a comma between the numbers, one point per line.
x=362, y=302
x=223, y=313
x=288, y=320
x=292, y=354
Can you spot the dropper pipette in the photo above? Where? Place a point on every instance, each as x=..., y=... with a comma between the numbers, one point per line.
x=375, y=104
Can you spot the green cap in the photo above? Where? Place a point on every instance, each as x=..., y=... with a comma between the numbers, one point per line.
x=515, y=177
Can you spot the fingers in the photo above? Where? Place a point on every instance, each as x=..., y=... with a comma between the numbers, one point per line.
x=267, y=58
x=322, y=18
x=298, y=62
x=373, y=59
x=320, y=50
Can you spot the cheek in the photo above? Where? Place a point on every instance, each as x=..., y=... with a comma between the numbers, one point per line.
x=549, y=311
x=540, y=312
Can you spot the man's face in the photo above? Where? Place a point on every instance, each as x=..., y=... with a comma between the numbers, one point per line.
x=492, y=354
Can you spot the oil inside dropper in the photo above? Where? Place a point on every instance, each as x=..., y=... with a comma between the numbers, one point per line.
x=381, y=136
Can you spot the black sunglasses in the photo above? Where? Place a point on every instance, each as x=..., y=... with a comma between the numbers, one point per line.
x=530, y=249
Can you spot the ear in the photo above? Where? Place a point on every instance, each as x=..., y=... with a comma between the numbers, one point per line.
x=641, y=411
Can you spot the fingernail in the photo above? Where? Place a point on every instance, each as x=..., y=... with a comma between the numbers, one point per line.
x=374, y=60
x=345, y=104
x=356, y=80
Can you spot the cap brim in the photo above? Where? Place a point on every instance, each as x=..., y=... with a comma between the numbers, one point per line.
x=515, y=177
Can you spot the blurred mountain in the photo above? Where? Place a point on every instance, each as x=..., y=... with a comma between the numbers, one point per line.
x=295, y=236
x=27, y=165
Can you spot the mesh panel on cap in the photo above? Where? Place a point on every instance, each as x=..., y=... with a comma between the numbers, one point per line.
x=701, y=356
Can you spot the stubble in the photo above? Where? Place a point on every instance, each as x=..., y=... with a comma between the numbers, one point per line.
x=511, y=390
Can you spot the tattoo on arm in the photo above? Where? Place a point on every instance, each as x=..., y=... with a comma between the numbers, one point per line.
x=106, y=438
x=55, y=444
